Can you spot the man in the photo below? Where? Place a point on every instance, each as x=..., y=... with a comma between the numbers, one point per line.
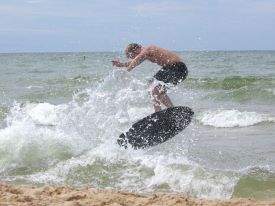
x=173, y=69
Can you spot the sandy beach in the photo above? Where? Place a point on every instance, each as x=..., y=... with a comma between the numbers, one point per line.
x=64, y=195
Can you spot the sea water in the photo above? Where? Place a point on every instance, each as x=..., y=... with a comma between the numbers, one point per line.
x=61, y=113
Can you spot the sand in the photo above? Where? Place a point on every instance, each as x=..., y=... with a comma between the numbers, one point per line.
x=68, y=196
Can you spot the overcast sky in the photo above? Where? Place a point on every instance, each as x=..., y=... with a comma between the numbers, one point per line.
x=109, y=25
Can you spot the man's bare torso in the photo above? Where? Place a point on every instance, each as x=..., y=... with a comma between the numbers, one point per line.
x=161, y=56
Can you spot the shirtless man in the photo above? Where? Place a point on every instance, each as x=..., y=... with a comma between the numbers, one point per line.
x=173, y=69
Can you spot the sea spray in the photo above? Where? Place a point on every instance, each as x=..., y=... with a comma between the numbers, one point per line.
x=75, y=143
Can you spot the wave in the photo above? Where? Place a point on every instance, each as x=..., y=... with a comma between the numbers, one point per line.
x=236, y=88
x=34, y=140
x=230, y=83
x=232, y=118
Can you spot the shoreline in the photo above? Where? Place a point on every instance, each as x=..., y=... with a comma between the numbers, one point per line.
x=54, y=195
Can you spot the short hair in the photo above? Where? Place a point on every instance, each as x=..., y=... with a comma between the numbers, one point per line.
x=131, y=48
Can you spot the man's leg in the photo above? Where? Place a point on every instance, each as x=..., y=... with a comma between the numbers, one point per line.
x=160, y=97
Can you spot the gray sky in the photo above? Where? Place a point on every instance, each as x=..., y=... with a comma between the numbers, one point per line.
x=105, y=25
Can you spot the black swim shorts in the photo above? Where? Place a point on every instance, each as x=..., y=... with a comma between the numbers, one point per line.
x=172, y=73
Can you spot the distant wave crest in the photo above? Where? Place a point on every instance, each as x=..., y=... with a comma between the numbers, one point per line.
x=233, y=118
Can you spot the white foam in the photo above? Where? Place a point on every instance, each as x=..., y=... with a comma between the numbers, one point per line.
x=176, y=173
x=44, y=113
x=271, y=90
x=33, y=86
x=34, y=137
x=232, y=118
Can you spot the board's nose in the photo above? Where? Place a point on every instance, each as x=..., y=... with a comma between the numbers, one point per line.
x=190, y=112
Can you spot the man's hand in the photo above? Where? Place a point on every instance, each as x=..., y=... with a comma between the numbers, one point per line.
x=117, y=63
x=120, y=64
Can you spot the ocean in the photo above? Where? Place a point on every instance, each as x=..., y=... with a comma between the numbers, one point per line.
x=61, y=113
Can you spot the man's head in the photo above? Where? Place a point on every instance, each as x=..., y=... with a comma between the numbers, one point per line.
x=132, y=50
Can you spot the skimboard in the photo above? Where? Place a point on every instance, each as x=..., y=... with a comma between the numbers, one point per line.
x=156, y=128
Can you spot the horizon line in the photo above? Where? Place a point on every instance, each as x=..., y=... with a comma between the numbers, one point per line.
x=218, y=50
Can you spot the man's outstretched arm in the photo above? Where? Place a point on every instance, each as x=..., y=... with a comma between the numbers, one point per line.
x=137, y=60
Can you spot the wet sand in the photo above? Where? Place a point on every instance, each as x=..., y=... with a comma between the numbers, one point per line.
x=69, y=196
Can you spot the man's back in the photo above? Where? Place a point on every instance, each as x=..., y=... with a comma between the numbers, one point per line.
x=161, y=56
